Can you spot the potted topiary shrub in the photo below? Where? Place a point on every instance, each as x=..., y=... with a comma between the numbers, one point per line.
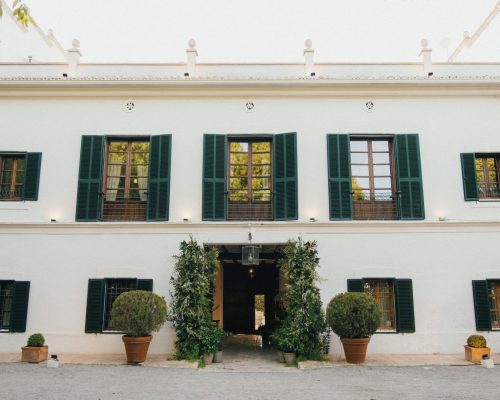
x=35, y=351
x=354, y=317
x=209, y=343
x=476, y=349
x=138, y=313
x=287, y=342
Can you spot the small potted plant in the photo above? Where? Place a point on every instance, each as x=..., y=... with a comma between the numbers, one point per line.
x=35, y=351
x=221, y=336
x=138, y=313
x=286, y=342
x=209, y=343
x=476, y=349
x=354, y=317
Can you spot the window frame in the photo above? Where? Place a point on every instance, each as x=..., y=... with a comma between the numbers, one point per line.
x=16, y=156
x=2, y=300
x=485, y=171
x=392, y=281
x=249, y=165
x=107, y=281
x=493, y=328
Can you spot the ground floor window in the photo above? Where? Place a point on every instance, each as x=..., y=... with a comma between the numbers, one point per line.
x=494, y=302
x=6, y=294
x=382, y=290
x=114, y=288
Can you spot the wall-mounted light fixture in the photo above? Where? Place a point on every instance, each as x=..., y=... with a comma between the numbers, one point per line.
x=53, y=220
x=185, y=219
x=250, y=255
x=312, y=219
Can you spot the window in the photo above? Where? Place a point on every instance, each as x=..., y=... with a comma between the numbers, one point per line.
x=6, y=293
x=126, y=182
x=375, y=177
x=14, y=296
x=487, y=176
x=373, y=187
x=395, y=297
x=101, y=294
x=250, y=180
x=114, y=288
x=382, y=290
x=124, y=179
x=19, y=176
x=494, y=303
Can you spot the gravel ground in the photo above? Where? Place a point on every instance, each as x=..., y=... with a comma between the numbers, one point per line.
x=25, y=381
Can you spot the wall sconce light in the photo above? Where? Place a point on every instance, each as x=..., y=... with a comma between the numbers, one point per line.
x=443, y=219
x=53, y=220
x=185, y=219
x=312, y=219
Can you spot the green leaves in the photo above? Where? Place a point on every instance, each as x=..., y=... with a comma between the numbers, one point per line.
x=353, y=315
x=36, y=340
x=138, y=312
x=21, y=13
x=304, y=318
x=191, y=305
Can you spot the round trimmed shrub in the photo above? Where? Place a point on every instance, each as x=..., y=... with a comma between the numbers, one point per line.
x=138, y=312
x=353, y=315
x=36, y=340
x=477, y=341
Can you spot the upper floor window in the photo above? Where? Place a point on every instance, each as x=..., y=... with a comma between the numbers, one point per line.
x=250, y=177
x=19, y=176
x=373, y=187
x=375, y=177
x=124, y=179
x=250, y=180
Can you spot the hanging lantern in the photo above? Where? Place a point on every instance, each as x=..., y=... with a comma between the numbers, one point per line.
x=250, y=255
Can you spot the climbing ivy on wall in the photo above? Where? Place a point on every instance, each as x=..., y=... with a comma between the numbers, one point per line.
x=304, y=316
x=191, y=296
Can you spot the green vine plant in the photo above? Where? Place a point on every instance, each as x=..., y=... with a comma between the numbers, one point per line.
x=21, y=12
x=191, y=297
x=304, y=321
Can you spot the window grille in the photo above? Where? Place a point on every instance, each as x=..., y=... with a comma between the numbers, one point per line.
x=114, y=288
x=6, y=291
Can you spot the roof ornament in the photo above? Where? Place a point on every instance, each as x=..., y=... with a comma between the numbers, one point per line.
x=191, y=54
x=425, y=52
x=73, y=56
x=309, y=58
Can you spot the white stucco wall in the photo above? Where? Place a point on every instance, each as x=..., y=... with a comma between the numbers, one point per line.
x=440, y=257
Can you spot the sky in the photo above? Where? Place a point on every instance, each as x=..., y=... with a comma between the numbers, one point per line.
x=264, y=30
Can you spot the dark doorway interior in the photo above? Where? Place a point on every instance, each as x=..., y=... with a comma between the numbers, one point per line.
x=241, y=285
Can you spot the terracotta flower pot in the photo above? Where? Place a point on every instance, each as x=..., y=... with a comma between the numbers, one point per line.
x=289, y=358
x=34, y=354
x=218, y=356
x=475, y=354
x=136, y=348
x=281, y=357
x=355, y=349
x=208, y=358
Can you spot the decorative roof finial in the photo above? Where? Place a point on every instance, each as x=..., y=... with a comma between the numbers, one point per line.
x=308, y=44
x=192, y=44
x=76, y=44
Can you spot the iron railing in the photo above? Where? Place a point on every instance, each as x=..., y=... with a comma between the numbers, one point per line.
x=17, y=193
x=380, y=207
x=116, y=207
x=249, y=208
x=490, y=190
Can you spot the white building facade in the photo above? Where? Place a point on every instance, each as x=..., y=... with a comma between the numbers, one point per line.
x=105, y=169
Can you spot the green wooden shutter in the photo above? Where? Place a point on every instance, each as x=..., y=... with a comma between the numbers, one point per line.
x=32, y=176
x=481, y=305
x=471, y=192
x=95, y=306
x=160, y=150
x=339, y=177
x=214, y=177
x=145, y=284
x=19, y=310
x=405, y=315
x=409, y=179
x=89, y=198
x=355, y=285
x=285, y=176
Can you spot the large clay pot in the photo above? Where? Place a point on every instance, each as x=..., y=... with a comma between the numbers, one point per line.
x=208, y=358
x=475, y=354
x=136, y=348
x=281, y=357
x=34, y=354
x=289, y=358
x=218, y=356
x=355, y=349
